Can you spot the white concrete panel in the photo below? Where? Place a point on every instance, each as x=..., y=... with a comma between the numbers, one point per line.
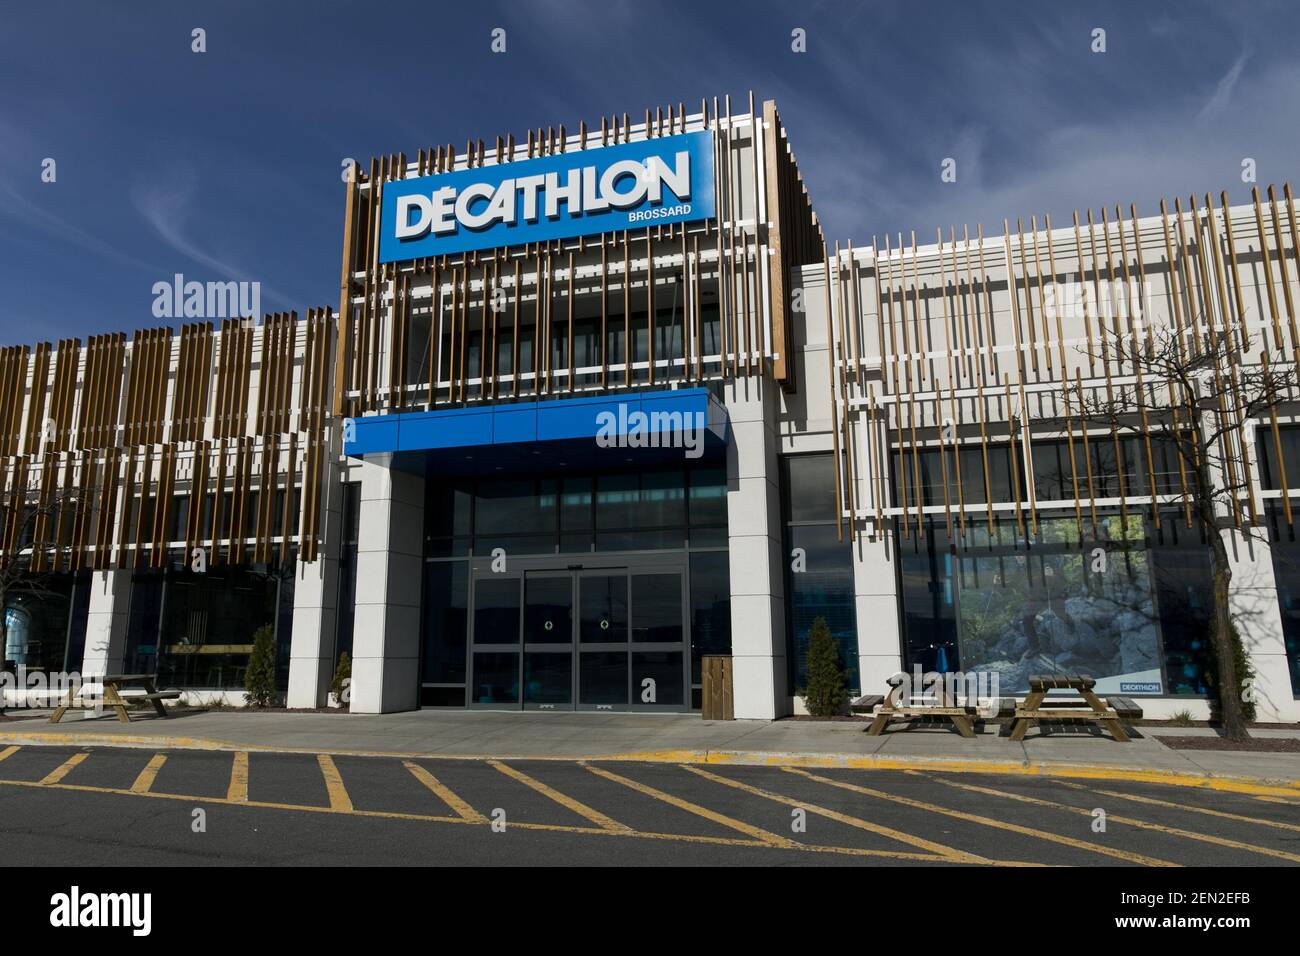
x=879, y=625
x=106, y=622
x=752, y=562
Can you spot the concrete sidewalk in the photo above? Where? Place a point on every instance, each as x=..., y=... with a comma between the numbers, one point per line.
x=533, y=735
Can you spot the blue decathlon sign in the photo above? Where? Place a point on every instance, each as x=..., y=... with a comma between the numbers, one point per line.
x=628, y=186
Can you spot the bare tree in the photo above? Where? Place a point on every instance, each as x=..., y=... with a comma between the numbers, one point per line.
x=1195, y=394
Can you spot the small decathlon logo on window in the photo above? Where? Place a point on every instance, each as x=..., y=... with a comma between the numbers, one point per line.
x=663, y=180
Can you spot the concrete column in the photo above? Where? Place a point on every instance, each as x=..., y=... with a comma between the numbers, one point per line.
x=875, y=576
x=390, y=567
x=758, y=647
x=315, y=611
x=107, y=615
x=880, y=620
x=1252, y=597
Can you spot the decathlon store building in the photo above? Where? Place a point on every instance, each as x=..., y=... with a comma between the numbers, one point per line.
x=598, y=404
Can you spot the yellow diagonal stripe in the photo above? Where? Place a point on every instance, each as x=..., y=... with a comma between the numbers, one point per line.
x=763, y=836
x=581, y=809
x=339, y=799
x=144, y=782
x=8, y=752
x=1222, y=814
x=237, y=792
x=987, y=821
x=921, y=843
x=1129, y=821
x=65, y=768
x=463, y=809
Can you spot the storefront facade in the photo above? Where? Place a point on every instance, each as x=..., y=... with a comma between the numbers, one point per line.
x=598, y=403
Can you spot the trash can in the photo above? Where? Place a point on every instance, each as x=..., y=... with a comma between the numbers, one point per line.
x=715, y=687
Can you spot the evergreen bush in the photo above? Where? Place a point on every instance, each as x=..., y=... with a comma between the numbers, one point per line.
x=259, y=679
x=825, y=694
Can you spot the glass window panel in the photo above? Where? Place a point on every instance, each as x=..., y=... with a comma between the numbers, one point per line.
x=548, y=609
x=446, y=617
x=657, y=678
x=548, y=678
x=575, y=503
x=602, y=677
x=662, y=499
x=209, y=623
x=496, y=610
x=616, y=500
x=809, y=484
x=640, y=540
x=824, y=589
x=708, y=503
x=515, y=544
x=1136, y=622
x=513, y=506
x=603, y=615
x=710, y=607
x=656, y=608
x=447, y=513
x=1286, y=571
x=496, y=678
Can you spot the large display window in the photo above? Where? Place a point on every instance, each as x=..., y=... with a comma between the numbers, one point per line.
x=1125, y=605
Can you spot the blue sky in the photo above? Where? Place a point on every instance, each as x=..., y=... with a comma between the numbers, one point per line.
x=225, y=165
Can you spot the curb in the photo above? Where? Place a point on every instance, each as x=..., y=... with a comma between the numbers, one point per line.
x=1251, y=786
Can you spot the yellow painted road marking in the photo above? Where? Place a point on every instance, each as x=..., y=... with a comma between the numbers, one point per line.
x=1223, y=814
x=339, y=799
x=1252, y=786
x=144, y=782
x=581, y=809
x=237, y=792
x=757, y=833
x=65, y=768
x=428, y=818
x=8, y=752
x=987, y=821
x=463, y=809
x=1129, y=821
x=1289, y=803
x=919, y=842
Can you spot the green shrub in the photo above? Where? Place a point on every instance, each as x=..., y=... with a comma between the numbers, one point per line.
x=825, y=694
x=259, y=680
x=1182, y=718
x=342, y=674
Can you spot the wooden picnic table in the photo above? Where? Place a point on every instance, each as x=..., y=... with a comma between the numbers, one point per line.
x=890, y=707
x=113, y=684
x=1108, y=713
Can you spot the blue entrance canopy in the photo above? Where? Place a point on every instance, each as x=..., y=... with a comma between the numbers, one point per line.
x=684, y=425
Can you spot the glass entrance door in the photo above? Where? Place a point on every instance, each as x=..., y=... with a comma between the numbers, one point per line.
x=612, y=638
x=548, y=640
x=603, y=631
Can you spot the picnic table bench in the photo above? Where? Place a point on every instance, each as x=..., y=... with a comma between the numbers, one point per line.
x=889, y=707
x=1108, y=713
x=112, y=696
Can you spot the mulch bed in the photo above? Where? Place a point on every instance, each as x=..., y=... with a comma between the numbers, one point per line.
x=1263, y=745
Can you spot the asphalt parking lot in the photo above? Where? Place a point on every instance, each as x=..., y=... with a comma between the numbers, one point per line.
x=78, y=805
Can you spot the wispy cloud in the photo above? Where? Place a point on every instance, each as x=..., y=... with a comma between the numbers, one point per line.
x=167, y=202
x=1222, y=96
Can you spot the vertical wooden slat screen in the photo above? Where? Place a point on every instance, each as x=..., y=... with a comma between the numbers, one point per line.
x=1201, y=268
